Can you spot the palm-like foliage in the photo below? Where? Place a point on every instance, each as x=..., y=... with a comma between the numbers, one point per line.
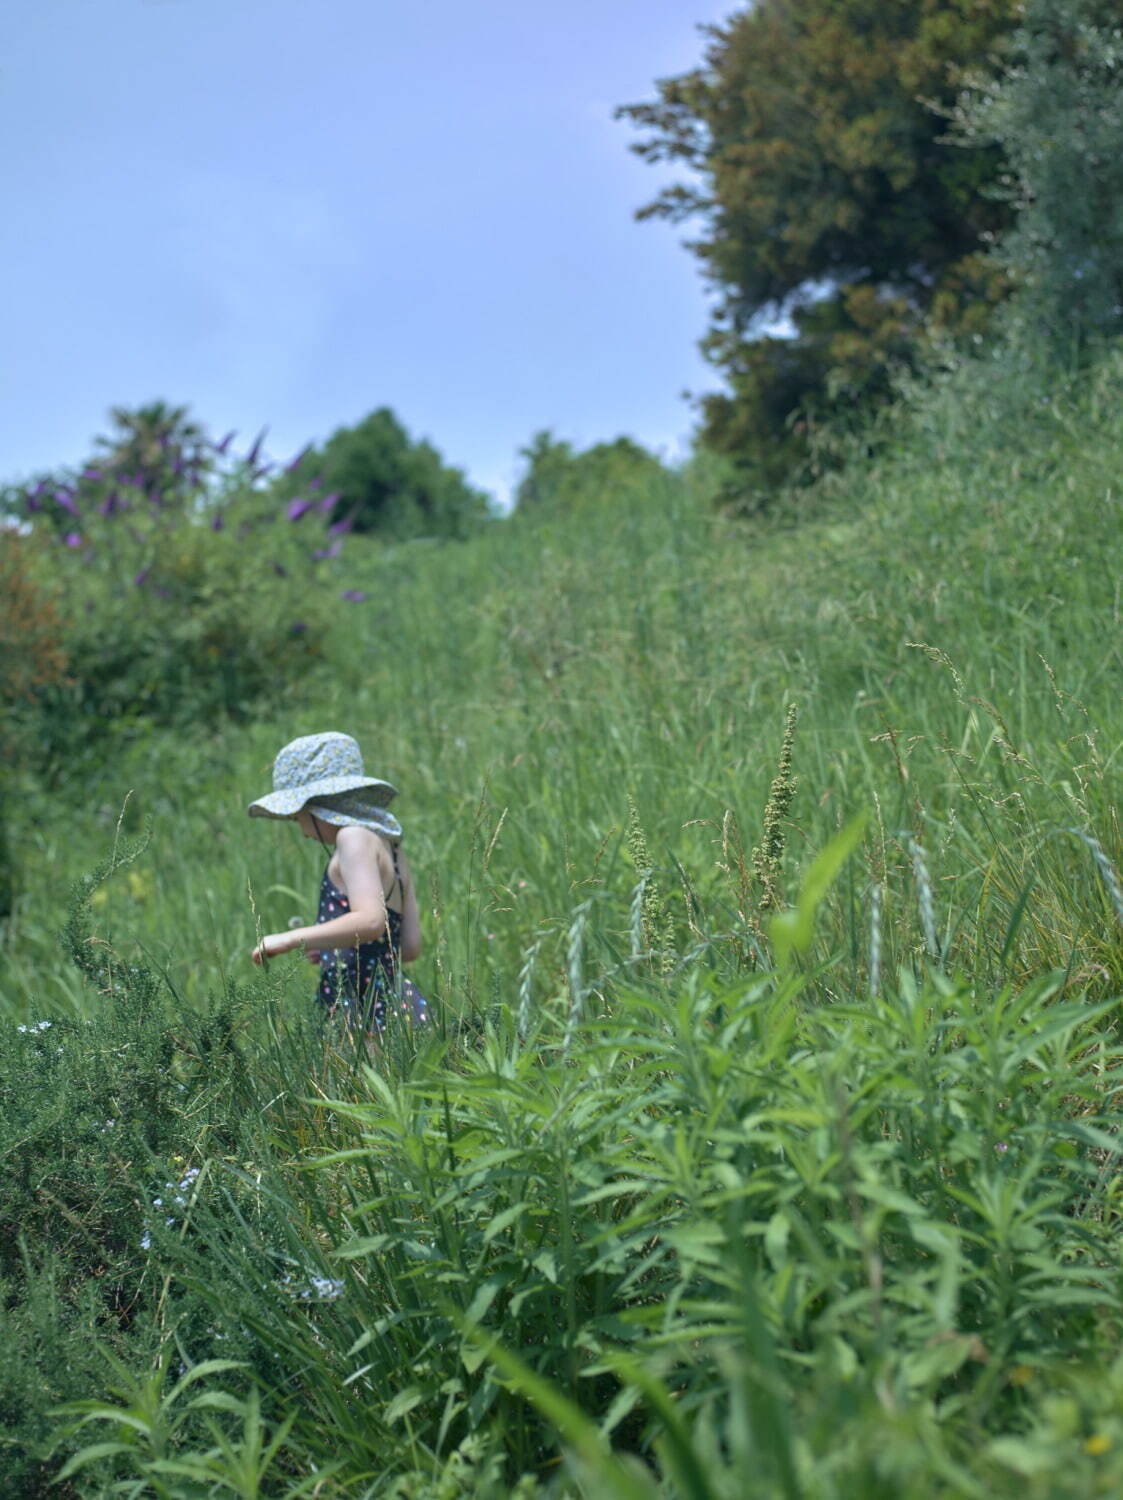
x=159, y=447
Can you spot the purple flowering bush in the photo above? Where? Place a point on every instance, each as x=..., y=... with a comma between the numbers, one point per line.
x=189, y=583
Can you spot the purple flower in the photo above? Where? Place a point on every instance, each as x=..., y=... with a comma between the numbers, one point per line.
x=325, y=552
x=66, y=500
x=138, y=581
x=217, y=522
x=341, y=528
x=329, y=500
x=353, y=596
x=110, y=504
x=294, y=464
x=299, y=627
x=33, y=502
x=73, y=539
x=255, y=452
x=227, y=440
x=91, y=473
x=314, y=484
x=297, y=508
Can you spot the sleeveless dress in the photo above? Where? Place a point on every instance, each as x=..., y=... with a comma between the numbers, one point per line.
x=365, y=979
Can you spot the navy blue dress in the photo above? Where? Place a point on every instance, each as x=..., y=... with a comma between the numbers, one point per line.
x=365, y=978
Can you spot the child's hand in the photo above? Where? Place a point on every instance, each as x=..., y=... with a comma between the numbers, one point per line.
x=270, y=947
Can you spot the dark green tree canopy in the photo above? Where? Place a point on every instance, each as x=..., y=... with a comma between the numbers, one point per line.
x=815, y=135
x=384, y=481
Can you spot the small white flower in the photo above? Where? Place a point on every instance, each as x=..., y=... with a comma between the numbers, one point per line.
x=315, y=1289
x=146, y=1241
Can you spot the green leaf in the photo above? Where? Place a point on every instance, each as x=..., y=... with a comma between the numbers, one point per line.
x=90, y=1455
x=503, y=1221
x=615, y=1480
x=403, y=1402
x=545, y=1262
x=793, y=930
x=485, y=1296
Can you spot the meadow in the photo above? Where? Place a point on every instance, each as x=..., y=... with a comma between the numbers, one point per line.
x=764, y=1142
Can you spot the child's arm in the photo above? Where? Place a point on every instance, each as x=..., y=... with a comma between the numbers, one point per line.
x=411, y=922
x=361, y=858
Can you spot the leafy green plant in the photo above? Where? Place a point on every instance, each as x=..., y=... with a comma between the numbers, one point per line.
x=1054, y=113
x=155, y=1426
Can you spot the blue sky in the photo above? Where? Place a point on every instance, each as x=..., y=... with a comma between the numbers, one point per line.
x=285, y=213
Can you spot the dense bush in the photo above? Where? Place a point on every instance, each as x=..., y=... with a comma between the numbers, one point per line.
x=182, y=622
x=171, y=585
x=33, y=661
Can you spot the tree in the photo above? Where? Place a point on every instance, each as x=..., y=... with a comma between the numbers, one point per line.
x=385, y=482
x=559, y=478
x=815, y=135
x=160, y=448
x=1056, y=113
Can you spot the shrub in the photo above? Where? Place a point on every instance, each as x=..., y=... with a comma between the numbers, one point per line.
x=33, y=660
x=168, y=601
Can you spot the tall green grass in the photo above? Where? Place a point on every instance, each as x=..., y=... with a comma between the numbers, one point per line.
x=716, y=1187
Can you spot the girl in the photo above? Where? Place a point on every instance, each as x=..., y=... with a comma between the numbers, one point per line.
x=367, y=924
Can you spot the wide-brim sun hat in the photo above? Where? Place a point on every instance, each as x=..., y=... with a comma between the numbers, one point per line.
x=351, y=808
x=321, y=769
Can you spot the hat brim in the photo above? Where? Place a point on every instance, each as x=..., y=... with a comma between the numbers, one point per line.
x=356, y=812
x=286, y=804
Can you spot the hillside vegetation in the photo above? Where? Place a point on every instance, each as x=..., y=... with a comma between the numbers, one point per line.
x=764, y=1141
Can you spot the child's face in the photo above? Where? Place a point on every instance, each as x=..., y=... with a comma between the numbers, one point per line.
x=306, y=823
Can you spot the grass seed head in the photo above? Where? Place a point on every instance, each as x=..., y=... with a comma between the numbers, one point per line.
x=768, y=854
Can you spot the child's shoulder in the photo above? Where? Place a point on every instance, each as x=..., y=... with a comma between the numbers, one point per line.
x=355, y=841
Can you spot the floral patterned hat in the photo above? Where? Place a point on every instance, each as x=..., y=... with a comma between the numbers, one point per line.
x=326, y=770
